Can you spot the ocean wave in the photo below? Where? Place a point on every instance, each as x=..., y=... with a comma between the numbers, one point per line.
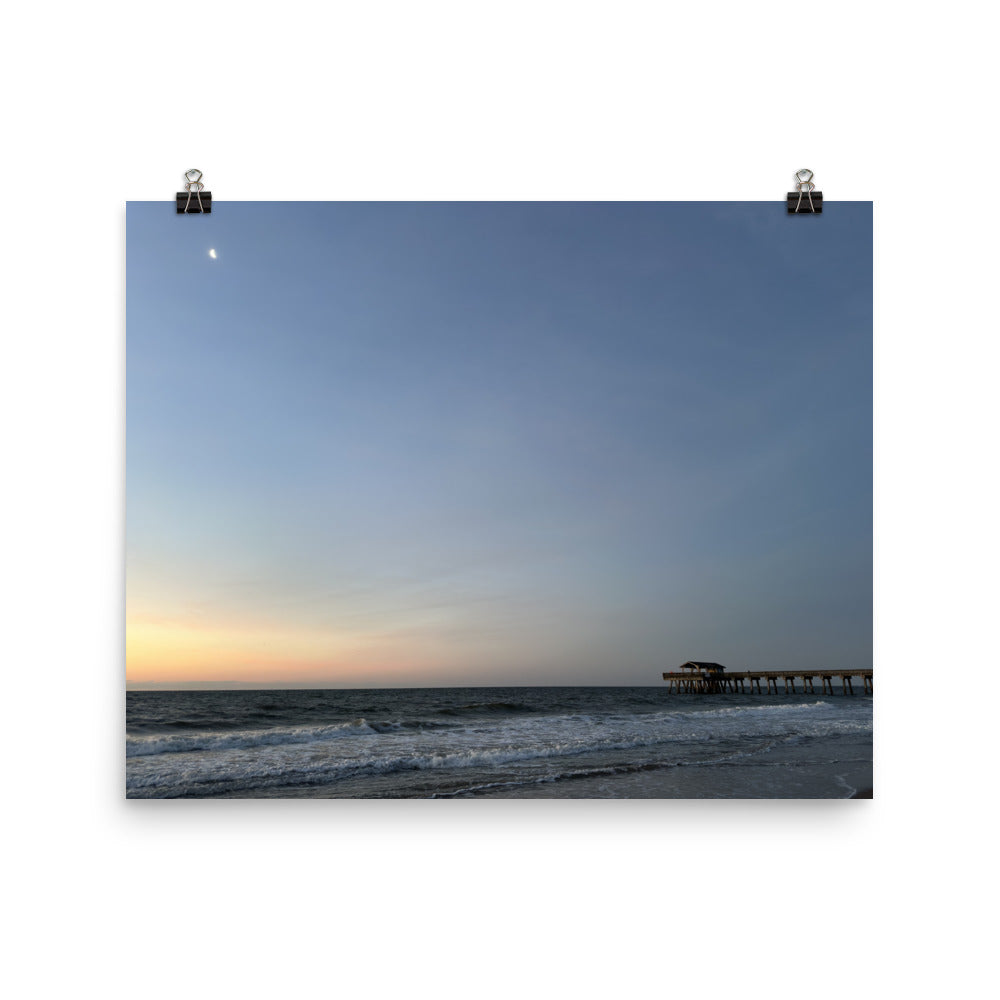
x=487, y=708
x=248, y=772
x=234, y=771
x=411, y=725
x=753, y=709
x=145, y=746
x=602, y=771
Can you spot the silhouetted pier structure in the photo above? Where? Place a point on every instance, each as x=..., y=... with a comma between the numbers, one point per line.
x=698, y=677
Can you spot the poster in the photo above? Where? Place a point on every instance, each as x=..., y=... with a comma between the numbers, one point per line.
x=424, y=499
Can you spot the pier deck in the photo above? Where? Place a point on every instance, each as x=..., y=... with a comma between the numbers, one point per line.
x=749, y=681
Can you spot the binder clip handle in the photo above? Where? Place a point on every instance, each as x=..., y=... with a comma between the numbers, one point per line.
x=193, y=184
x=804, y=186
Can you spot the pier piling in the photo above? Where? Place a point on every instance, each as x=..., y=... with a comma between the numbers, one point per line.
x=749, y=681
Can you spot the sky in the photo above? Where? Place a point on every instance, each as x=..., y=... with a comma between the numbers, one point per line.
x=419, y=444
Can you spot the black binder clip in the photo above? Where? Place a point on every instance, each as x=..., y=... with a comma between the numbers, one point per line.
x=808, y=200
x=201, y=203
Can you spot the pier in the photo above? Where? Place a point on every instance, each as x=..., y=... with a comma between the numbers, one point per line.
x=712, y=678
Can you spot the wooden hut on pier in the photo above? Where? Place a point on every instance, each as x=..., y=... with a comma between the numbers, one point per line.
x=700, y=666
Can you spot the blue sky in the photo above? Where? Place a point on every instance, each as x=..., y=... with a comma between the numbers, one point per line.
x=486, y=443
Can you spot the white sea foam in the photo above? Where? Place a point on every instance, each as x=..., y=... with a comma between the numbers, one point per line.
x=850, y=789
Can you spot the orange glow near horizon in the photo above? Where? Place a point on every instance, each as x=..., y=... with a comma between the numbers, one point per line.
x=165, y=652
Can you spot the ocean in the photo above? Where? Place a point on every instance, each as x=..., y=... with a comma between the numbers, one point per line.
x=520, y=742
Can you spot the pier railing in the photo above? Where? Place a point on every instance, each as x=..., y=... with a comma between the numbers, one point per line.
x=749, y=681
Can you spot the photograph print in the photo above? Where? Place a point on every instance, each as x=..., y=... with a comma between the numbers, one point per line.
x=499, y=500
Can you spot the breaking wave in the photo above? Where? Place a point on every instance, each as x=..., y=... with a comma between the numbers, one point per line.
x=145, y=746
